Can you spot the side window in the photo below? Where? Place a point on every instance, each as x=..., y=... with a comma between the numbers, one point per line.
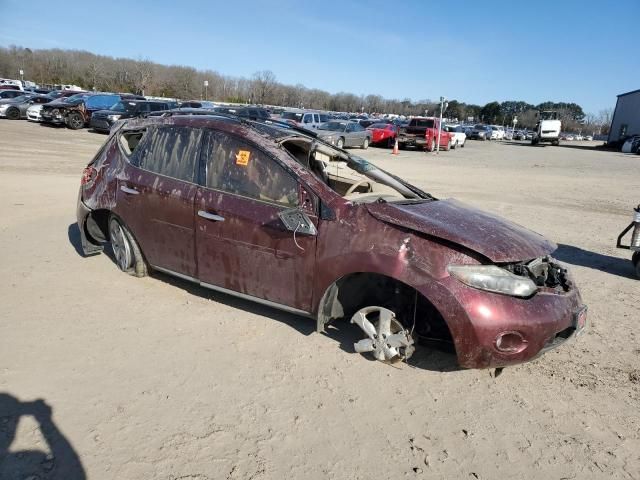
x=358, y=128
x=42, y=100
x=237, y=167
x=308, y=118
x=173, y=152
x=129, y=141
x=316, y=118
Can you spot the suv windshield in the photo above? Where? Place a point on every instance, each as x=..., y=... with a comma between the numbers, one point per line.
x=334, y=126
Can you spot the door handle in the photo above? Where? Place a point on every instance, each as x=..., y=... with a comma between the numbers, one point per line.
x=210, y=216
x=131, y=191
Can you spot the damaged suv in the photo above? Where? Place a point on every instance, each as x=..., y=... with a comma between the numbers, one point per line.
x=279, y=216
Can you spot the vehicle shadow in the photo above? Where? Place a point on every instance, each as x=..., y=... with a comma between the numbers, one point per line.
x=342, y=331
x=73, y=232
x=62, y=461
x=425, y=357
x=305, y=326
x=597, y=261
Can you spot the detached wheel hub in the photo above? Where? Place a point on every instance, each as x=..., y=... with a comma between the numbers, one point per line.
x=386, y=338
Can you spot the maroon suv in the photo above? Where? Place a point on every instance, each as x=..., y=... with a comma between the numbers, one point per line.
x=278, y=216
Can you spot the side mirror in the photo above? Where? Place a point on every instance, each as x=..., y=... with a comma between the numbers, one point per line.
x=297, y=221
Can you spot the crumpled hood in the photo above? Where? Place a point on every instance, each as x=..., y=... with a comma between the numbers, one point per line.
x=491, y=236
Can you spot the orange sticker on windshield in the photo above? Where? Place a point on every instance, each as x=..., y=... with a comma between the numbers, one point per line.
x=242, y=158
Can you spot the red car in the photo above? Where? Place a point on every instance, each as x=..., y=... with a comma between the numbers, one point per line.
x=278, y=216
x=383, y=134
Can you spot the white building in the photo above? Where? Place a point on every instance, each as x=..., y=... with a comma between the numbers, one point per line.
x=626, y=117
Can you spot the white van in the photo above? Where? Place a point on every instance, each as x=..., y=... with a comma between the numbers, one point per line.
x=304, y=118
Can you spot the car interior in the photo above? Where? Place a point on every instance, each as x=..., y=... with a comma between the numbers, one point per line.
x=353, y=179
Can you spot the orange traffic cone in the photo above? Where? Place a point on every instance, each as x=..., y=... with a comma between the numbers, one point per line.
x=395, y=148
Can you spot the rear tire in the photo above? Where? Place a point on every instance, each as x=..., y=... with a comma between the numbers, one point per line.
x=636, y=263
x=432, y=145
x=340, y=143
x=13, y=114
x=365, y=144
x=126, y=251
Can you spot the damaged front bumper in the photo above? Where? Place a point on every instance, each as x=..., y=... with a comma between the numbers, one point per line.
x=495, y=330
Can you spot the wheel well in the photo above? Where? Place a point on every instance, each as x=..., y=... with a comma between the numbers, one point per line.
x=97, y=225
x=355, y=291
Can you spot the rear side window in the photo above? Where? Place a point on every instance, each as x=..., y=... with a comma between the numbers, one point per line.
x=155, y=107
x=237, y=167
x=129, y=141
x=173, y=152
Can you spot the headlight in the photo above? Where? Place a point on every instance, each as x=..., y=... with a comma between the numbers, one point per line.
x=113, y=118
x=493, y=279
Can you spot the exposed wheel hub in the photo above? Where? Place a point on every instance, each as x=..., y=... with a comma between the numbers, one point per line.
x=386, y=339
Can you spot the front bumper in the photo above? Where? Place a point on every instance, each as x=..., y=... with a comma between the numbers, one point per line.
x=101, y=124
x=477, y=318
x=34, y=116
x=54, y=119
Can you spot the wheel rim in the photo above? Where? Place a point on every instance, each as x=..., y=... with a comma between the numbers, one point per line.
x=386, y=338
x=13, y=114
x=340, y=143
x=76, y=121
x=366, y=143
x=120, y=245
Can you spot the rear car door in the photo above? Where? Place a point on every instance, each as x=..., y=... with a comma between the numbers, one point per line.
x=242, y=245
x=155, y=196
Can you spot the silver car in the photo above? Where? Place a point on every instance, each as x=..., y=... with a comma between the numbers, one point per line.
x=343, y=133
x=16, y=108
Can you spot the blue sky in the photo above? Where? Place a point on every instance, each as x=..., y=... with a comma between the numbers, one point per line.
x=477, y=52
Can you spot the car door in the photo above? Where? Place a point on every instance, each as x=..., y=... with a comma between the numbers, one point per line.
x=307, y=120
x=242, y=245
x=348, y=135
x=155, y=196
x=360, y=133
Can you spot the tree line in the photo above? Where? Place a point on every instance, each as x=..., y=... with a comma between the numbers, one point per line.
x=104, y=73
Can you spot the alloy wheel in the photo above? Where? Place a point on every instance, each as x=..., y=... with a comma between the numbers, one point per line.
x=120, y=245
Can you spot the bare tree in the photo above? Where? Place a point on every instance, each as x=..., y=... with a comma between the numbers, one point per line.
x=263, y=84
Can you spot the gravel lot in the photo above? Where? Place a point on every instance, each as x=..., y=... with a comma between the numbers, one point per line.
x=154, y=378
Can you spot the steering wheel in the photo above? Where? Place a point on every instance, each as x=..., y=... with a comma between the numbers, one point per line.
x=353, y=187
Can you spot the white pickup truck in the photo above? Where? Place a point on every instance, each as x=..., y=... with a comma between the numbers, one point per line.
x=459, y=137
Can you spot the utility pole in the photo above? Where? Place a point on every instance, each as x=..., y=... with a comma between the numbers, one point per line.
x=442, y=108
x=206, y=86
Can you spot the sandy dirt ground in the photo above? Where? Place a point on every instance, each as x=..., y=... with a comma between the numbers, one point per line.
x=154, y=378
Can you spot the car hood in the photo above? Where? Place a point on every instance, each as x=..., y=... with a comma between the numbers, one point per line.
x=495, y=238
